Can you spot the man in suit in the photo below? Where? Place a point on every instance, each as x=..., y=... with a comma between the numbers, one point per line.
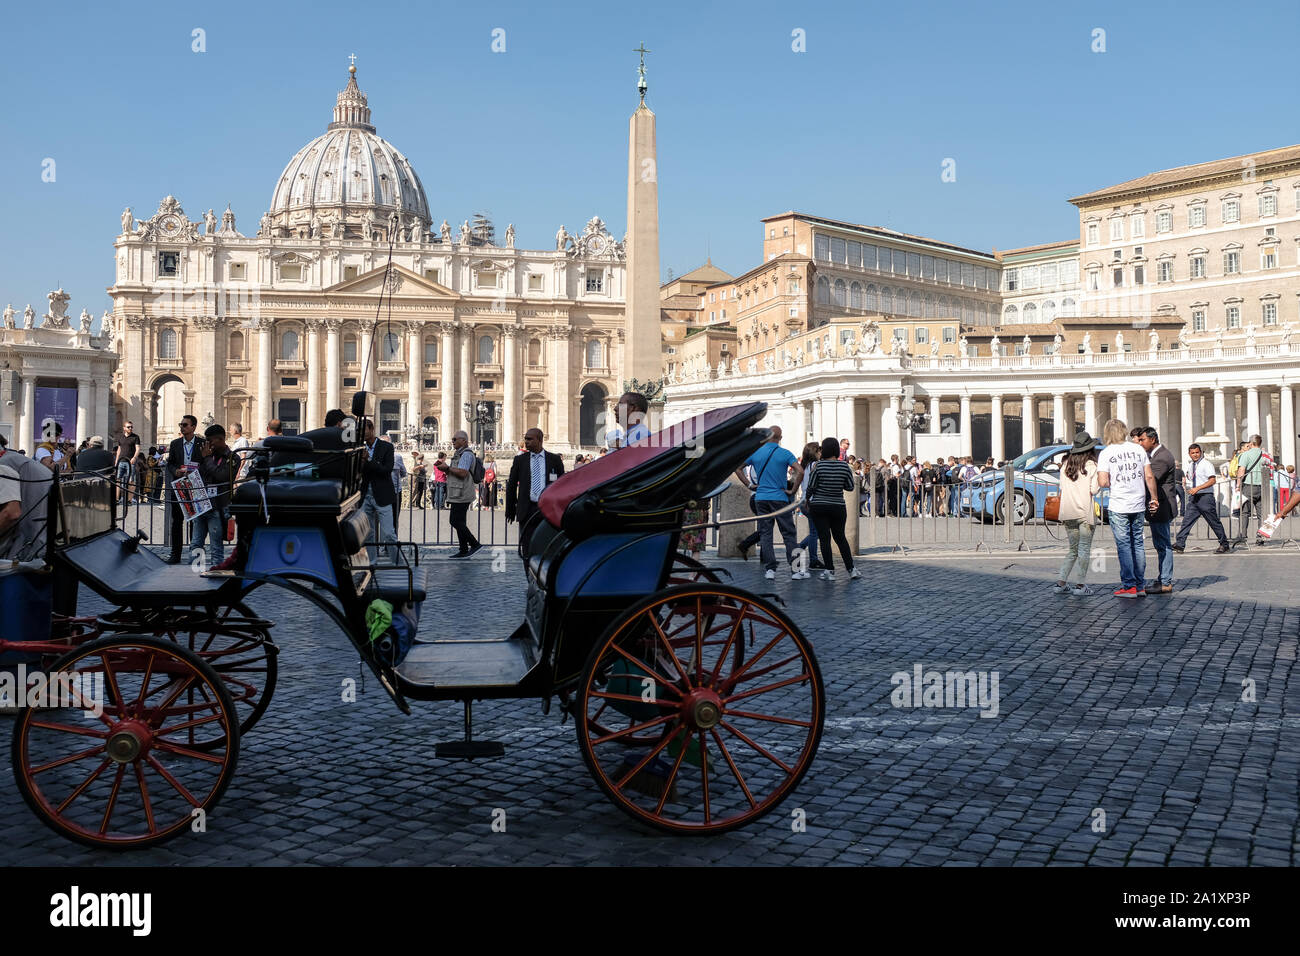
x=530, y=473
x=181, y=453
x=377, y=486
x=1160, y=512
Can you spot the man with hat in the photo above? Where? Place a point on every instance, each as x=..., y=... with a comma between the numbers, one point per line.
x=1078, y=486
x=95, y=457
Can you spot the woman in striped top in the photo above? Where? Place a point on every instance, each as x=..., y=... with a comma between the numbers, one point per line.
x=829, y=479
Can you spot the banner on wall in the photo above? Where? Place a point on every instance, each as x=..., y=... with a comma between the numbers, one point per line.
x=59, y=404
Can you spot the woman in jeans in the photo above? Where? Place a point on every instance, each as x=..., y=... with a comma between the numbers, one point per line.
x=811, y=452
x=1078, y=486
x=828, y=481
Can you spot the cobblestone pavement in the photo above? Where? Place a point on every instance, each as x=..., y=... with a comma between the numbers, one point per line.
x=1133, y=709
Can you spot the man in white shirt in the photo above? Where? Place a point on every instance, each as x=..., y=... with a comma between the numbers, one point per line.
x=1201, y=503
x=530, y=474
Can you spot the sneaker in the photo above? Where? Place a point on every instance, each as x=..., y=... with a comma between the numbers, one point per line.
x=827, y=575
x=1126, y=592
x=1178, y=549
x=474, y=550
x=770, y=574
x=1060, y=587
x=228, y=564
x=1078, y=590
x=855, y=574
x=1140, y=592
x=1222, y=549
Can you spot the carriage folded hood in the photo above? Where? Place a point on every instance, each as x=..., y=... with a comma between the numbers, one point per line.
x=647, y=484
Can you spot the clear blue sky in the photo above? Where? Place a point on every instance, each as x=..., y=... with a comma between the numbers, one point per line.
x=855, y=128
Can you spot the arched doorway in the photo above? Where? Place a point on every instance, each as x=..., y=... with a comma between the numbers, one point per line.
x=167, y=408
x=592, y=415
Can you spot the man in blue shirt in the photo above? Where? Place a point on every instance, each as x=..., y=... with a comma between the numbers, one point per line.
x=771, y=466
x=633, y=409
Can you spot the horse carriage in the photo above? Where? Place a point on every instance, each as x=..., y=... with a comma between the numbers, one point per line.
x=698, y=706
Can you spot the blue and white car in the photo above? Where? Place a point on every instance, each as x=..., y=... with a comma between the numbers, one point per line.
x=1036, y=474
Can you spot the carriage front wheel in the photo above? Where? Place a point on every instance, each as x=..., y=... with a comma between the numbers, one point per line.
x=107, y=760
x=711, y=739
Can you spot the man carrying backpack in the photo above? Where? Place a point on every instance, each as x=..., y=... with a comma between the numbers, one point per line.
x=464, y=472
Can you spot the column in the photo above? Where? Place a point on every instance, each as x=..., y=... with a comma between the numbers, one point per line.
x=1252, y=410
x=1188, y=434
x=561, y=346
x=1288, y=427
x=889, y=431
x=965, y=425
x=1155, y=414
x=447, y=381
x=1089, y=413
x=1220, y=424
x=265, y=405
x=934, y=415
x=414, y=373
x=366, y=379
x=83, y=409
x=315, y=417
x=1028, y=422
x=511, y=430
x=332, y=376
x=147, y=420
x=25, y=437
x=819, y=420
x=466, y=373
x=998, y=430
x=846, y=423
x=1058, y=417
x=1122, y=408
x=1269, y=434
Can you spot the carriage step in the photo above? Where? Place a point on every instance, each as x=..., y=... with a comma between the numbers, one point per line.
x=469, y=748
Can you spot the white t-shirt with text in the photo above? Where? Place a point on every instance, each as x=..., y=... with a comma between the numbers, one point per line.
x=1126, y=464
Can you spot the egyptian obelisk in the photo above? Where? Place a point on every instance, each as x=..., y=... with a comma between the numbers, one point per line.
x=644, y=360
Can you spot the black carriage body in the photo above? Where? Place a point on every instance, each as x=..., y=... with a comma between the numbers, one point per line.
x=605, y=538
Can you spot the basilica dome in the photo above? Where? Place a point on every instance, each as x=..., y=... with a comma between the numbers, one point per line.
x=348, y=181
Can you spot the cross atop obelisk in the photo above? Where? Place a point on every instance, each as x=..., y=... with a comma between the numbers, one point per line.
x=640, y=82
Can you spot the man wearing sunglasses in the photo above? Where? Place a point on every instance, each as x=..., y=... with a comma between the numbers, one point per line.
x=183, y=453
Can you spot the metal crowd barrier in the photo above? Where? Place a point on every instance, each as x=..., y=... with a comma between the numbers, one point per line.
x=966, y=516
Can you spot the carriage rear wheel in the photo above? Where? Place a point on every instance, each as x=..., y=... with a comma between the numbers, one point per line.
x=714, y=739
x=232, y=639
x=126, y=776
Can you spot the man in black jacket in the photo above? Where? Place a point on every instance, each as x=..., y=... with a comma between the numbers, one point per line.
x=1161, y=511
x=181, y=453
x=377, y=484
x=530, y=473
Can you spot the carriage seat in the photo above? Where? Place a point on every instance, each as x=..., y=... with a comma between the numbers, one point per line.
x=393, y=586
x=317, y=495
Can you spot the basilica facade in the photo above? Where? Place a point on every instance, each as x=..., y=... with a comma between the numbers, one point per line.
x=462, y=330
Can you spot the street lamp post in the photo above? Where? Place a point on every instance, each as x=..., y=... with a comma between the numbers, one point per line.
x=914, y=422
x=480, y=414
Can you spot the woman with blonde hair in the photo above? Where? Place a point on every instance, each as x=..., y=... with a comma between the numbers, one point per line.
x=1078, y=485
x=1125, y=469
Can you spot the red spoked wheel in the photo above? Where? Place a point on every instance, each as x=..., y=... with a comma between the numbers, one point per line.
x=236, y=643
x=126, y=776
x=714, y=739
